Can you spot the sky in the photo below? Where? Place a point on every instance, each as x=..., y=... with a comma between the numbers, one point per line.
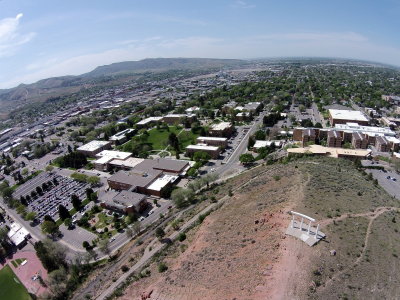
x=47, y=38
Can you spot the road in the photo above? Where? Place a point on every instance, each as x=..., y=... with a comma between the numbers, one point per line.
x=390, y=186
x=240, y=149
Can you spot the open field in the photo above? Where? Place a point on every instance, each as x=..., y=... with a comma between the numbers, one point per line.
x=11, y=287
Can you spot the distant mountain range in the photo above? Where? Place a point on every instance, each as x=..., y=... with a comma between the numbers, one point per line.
x=59, y=86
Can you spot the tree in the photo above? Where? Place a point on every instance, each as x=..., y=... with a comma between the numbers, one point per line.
x=160, y=233
x=93, y=180
x=30, y=216
x=201, y=156
x=136, y=227
x=104, y=246
x=57, y=281
x=68, y=223
x=49, y=168
x=23, y=201
x=181, y=197
x=89, y=192
x=39, y=190
x=49, y=218
x=7, y=193
x=85, y=245
x=50, y=228
x=76, y=202
x=246, y=158
x=63, y=212
x=129, y=232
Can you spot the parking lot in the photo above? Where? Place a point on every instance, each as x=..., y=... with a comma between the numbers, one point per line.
x=48, y=202
x=389, y=180
x=76, y=236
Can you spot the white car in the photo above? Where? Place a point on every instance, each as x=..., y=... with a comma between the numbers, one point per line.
x=141, y=218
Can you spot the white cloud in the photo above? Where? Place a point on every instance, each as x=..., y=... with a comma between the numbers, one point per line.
x=10, y=37
x=322, y=44
x=242, y=4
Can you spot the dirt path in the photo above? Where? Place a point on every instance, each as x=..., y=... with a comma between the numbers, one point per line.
x=372, y=217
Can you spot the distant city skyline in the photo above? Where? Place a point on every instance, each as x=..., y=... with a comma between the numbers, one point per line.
x=43, y=38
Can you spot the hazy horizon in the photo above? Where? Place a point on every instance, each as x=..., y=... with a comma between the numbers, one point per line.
x=42, y=39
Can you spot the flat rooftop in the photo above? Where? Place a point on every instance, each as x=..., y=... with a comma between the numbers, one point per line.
x=354, y=127
x=148, y=120
x=348, y=115
x=93, y=145
x=106, y=156
x=221, y=126
x=162, y=181
x=130, y=162
x=330, y=151
x=128, y=198
x=120, y=135
x=211, y=138
x=202, y=147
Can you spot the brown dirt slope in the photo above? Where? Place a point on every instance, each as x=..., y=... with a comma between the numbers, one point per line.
x=232, y=255
x=240, y=251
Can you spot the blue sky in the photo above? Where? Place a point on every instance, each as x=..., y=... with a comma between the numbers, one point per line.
x=40, y=38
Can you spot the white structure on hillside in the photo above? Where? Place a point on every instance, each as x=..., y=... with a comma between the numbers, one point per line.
x=310, y=235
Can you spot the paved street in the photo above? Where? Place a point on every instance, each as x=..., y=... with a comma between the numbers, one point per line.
x=389, y=185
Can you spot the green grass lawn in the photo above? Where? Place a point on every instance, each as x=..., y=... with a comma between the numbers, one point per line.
x=11, y=287
x=104, y=220
x=158, y=138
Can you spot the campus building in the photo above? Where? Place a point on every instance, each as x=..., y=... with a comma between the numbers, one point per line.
x=94, y=147
x=223, y=129
x=213, y=151
x=149, y=177
x=359, y=141
x=174, y=119
x=18, y=235
x=213, y=141
x=106, y=156
x=122, y=136
x=382, y=144
x=149, y=121
x=334, y=139
x=338, y=116
x=124, y=202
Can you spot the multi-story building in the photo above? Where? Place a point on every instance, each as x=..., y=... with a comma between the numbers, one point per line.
x=213, y=151
x=359, y=141
x=382, y=144
x=223, y=129
x=308, y=135
x=334, y=139
x=213, y=141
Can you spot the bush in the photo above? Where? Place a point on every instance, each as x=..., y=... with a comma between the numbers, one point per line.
x=125, y=268
x=277, y=177
x=162, y=267
x=181, y=237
